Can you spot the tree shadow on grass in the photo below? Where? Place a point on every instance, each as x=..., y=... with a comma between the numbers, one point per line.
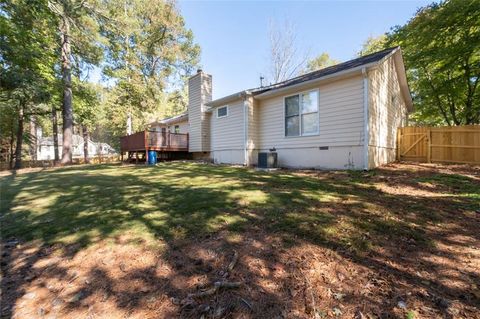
x=194, y=209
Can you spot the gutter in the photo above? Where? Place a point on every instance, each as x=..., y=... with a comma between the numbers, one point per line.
x=366, y=126
x=226, y=99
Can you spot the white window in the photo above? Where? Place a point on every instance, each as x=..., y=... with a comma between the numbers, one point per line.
x=301, y=114
x=222, y=111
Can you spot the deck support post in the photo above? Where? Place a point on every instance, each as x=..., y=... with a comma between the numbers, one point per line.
x=136, y=157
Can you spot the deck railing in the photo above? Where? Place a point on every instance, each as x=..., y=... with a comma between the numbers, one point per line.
x=152, y=140
x=133, y=142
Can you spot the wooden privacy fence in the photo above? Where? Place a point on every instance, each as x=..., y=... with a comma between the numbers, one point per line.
x=449, y=144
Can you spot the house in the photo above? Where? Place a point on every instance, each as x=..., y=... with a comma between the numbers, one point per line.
x=45, y=147
x=341, y=117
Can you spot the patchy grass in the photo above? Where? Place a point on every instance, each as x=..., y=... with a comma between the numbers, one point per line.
x=390, y=223
x=174, y=201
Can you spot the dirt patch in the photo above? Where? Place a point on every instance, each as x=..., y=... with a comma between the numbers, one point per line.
x=280, y=275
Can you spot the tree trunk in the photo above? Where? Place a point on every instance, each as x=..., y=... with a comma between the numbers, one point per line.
x=12, y=141
x=85, y=144
x=127, y=37
x=470, y=116
x=18, y=150
x=33, y=136
x=55, y=134
x=67, y=109
x=129, y=123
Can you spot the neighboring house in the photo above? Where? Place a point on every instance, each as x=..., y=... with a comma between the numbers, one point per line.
x=340, y=117
x=45, y=147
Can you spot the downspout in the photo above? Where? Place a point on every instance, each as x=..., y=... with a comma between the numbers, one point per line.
x=245, y=130
x=366, y=126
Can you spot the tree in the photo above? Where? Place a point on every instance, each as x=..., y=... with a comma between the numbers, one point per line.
x=54, y=119
x=286, y=59
x=87, y=110
x=26, y=67
x=373, y=44
x=321, y=61
x=441, y=46
x=150, y=51
x=78, y=26
x=8, y=130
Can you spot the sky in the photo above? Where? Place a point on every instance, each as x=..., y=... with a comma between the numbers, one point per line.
x=233, y=36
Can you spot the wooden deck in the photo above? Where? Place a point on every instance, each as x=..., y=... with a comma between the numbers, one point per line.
x=154, y=141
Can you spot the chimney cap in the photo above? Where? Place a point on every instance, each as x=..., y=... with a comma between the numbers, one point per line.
x=199, y=70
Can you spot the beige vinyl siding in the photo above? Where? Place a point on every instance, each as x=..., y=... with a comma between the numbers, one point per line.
x=157, y=127
x=253, y=131
x=228, y=134
x=228, y=131
x=199, y=93
x=340, y=118
x=341, y=128
x=183, y=126
x=387, y=112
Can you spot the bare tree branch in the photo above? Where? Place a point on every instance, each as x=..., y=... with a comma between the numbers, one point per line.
x=286, y=58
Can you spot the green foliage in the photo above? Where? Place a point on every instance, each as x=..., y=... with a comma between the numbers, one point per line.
x=27, y=55
x=373, y=44
x=143, y=46
x=25, y=49
x=150, y=54
x=410, y=315
x=84, y=19
x=87, y=103
x=441, y=46
x=321, y=61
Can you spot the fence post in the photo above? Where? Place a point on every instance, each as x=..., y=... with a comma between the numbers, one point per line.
x=429, y=146
x=399, y=140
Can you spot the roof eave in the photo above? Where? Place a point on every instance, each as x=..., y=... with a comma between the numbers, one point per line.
x=402, y=80
x=171, y=120
x=229, y=98
x=178, y=119
x=351, y=71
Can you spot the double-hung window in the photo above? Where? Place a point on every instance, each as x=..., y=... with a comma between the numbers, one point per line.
x=301, y=114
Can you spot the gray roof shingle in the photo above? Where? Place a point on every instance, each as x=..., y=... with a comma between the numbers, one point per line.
x=344, y=66
x=364, y=60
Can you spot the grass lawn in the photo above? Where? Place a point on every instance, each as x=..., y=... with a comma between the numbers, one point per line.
x=145, y=242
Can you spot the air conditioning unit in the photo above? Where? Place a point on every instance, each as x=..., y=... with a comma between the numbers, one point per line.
x=267, y=160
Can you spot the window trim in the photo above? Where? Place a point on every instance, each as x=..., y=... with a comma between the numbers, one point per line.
x=221, y=107
x=300, y=121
